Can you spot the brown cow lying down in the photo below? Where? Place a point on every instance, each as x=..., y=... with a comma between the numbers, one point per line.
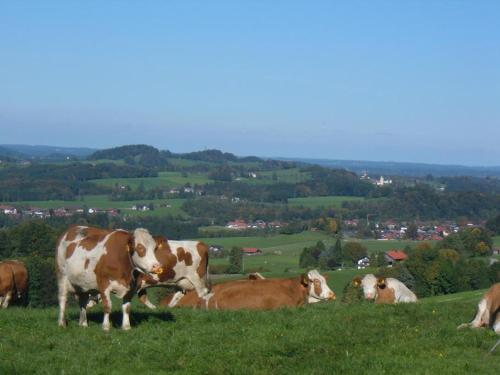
x=488, y=310
x=384, y=290
x=259, y=294
x=13, y=281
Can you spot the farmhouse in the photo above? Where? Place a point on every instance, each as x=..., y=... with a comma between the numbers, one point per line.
x=251, y=251
x=395, y=256
x=237, y=225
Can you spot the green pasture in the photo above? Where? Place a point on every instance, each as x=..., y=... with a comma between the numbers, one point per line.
x=164, y=179
x=327, y=201
x=324, y=338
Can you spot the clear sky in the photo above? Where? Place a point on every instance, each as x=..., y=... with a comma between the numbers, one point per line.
x=398, y=80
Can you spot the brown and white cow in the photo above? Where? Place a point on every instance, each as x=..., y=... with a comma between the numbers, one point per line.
x=92, y=260
x=13, y=281
x=384, y=290
x=184, y=265
x=488, y=310
x=259, y=294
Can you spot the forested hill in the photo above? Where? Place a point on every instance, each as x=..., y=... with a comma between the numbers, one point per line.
x=44, y=152
x=142, y=153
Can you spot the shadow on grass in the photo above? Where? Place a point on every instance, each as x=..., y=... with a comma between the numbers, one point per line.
x=136, y=318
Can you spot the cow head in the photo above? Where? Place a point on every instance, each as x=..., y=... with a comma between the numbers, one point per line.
x=317, y=287
x=369, y=285
x=143, y=254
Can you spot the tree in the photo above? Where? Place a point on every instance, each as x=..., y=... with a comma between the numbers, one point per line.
x=235, y=260
x=412, y=231
x=354, y=251
x=42, y=281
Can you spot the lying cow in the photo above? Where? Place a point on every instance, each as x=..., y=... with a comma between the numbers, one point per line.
x=91, y=260
x=384, y=290
x=488, y=310
x=259, y=294
x=13, y=281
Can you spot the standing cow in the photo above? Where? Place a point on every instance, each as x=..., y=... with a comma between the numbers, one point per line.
x=384, y=290
x=259, y=294
x=184, y=264
x=13, y=281
x=91, y=260
x=488, y=310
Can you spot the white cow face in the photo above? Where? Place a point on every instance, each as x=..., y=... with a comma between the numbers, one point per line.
x=318, y=288
x=369, y=285
x=143, y=255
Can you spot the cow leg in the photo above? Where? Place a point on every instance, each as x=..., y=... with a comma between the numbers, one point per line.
x=143, y=297
x=6, y=299
x=62, y=295
x=126, y=310
x=106, y=305
x=496, y=324
x=482, y=317
x=83, y=299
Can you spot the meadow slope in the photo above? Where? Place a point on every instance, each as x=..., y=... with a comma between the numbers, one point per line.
x=318, y=339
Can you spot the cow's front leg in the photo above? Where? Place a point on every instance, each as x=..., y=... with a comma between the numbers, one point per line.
x=143, y=297
x=106, y=306
x=126, y=310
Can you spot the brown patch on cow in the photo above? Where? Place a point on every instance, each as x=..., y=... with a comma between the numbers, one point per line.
x=385, y=295
x=72, y=233
x=87, y=261
x=184, y=256
x=140, y=249
x=317, y=287
x=202, y=249
x=70, y=250
x=14, y=278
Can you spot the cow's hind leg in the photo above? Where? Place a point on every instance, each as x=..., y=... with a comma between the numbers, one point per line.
x=62, y=295
x=482, y=317
x=83, y=299
x=6, y=299
x=106, y=305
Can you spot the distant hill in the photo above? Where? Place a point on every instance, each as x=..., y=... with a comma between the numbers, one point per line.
x=387, y=168
x=141, y=153
x=49, y=152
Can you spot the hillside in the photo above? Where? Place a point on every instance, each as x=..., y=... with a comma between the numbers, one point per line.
x=320, y=339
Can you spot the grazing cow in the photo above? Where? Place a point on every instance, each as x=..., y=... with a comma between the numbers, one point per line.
x=91, y=260
x=384, y=290
x=488, y=310
x=184, y=264
x=259, y=294
x=13, y=281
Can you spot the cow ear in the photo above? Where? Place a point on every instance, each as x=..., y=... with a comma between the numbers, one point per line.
x=356, y=282
x=325, y=276
x=304, y=279
x=381, y=282
x=160, y=241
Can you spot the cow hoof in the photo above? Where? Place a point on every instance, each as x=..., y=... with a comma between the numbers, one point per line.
x=105, y=328
x=62, y=324
x=126, y=328
x=84, y=325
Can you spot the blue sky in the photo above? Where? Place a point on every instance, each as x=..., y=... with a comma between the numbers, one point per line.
x=370, y=80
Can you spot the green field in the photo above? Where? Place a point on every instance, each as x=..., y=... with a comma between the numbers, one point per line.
x=328, y=201
x=164, y=179
x=325, y=338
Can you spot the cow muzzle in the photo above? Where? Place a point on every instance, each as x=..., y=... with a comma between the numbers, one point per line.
x=332, y=296
x=157, y=269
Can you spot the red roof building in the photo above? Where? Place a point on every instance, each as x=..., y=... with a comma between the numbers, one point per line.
x=394, y=256
x=251, y=251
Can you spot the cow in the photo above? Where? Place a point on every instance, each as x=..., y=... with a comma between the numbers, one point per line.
x=184, y=266
x=13, y=281
x=384, y=290
x=488, y=311
x=91, y=260
x=259, y=294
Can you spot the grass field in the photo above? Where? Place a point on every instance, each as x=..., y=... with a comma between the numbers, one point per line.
x=328, y=338
x=328, y=201
x=164, y=179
